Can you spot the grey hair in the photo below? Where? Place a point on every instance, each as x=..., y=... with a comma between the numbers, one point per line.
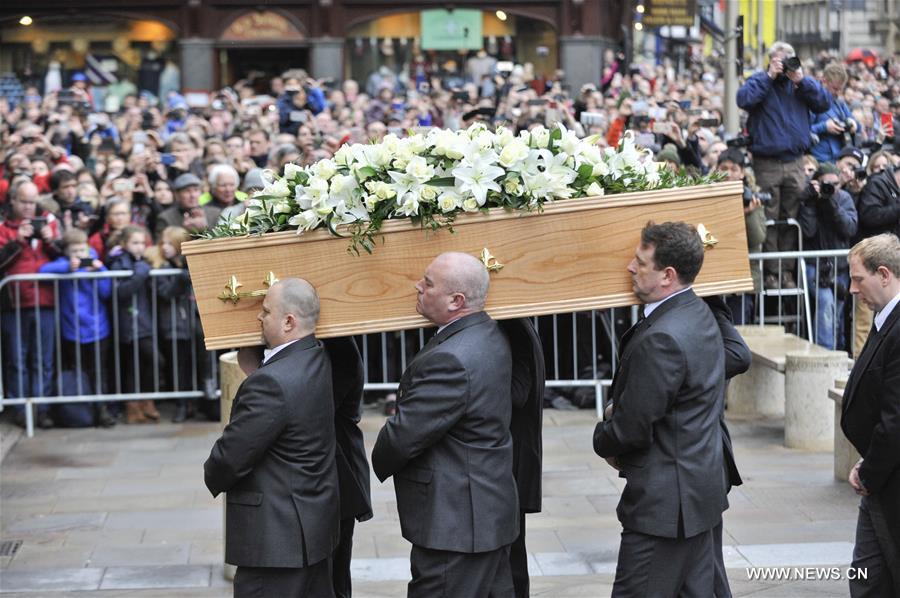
x=300, y=299
x=467, y=276
x=782, y=47
x=219, y=169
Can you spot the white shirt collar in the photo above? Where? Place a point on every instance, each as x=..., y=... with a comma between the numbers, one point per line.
x=882, y=316
x=270, y=353
x=649, y=307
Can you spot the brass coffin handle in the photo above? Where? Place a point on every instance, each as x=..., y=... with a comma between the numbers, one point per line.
x=491, y=263
x=232, y=294
x=709, y=241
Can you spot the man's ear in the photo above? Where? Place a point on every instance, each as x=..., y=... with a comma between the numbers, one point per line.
x=289, y=323
x=670, y=276
x=457, y=301
x=885, y=274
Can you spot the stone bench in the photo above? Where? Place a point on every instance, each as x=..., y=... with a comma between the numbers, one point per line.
x=845, y=455
x=788, y=377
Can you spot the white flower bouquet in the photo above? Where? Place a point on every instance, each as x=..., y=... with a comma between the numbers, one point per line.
x=431, y=178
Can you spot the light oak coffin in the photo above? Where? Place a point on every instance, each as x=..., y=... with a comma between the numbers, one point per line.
x=571, y=257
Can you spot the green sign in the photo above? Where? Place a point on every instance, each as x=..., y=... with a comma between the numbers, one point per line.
x=458, y=29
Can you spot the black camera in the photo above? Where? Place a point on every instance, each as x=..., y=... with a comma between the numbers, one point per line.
x=791, y=63
x=85, y=262
x=37, y=224
x=826, y=190
x=742, y=141
x=749, y=195
x=860, y=173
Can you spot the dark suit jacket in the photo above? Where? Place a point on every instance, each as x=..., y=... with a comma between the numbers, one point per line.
x=528, y=409
x=352, y=465
x=275, y=461
x=737, y=361
x=871, y=417
x=665, y=430
x=449, y=446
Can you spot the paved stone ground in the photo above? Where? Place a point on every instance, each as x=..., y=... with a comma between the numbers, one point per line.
x=124, y=512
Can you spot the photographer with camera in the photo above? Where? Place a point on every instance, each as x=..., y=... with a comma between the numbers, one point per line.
x=828, y=220
x=835, y=127
x=28, y=240
x=72, y=212
x=779, y=101
x=732, y=162
x=851, y=171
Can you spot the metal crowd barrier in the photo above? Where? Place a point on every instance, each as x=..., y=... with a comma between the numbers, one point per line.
x=105, y=369
x=580, y=348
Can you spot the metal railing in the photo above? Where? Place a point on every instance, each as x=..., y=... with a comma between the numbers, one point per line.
x=580, y=348
x=85, y=367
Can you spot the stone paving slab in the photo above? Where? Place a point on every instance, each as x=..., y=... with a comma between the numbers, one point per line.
x=136, y=578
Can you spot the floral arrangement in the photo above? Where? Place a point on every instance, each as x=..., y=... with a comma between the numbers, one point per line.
x=433, y=177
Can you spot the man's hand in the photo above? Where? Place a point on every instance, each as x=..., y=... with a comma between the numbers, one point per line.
x=833, y=127
x=776, y=67
x=856, y=482
x=752, y=206
x=195, y=220
x=795, y=76
x=74, y=263
x=26, y=231
x=46, y=234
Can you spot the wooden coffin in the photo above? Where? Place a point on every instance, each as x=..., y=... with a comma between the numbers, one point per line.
x=571, y=257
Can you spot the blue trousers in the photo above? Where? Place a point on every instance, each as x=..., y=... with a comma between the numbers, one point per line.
x=828, y=326
x=28, y=353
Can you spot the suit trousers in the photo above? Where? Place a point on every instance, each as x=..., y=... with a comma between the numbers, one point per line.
x=266, y=582
x=871, y=553
x=446, y=574
x=721, y=580
x=655, y=567
x=340, y=567
x=518, y=561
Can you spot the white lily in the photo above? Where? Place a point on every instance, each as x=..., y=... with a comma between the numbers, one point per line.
x=478, y=178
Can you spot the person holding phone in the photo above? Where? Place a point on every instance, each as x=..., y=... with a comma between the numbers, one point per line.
x=27, y=242
x=84, y=324
x=187, y=211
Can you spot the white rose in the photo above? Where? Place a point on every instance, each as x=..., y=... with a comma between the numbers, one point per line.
x=515, y=151
x=503, y=137
x=325, y=169
x=600, y=169
x=594, y=190
x=428, y=193
x=416, y=144
x=291, y=170
x=540, y=137
x=278, y=188
x=470, y=205
x=344, y=155
x=282, y=207
x=448, y=202
x=383, y=191
x=512, y=186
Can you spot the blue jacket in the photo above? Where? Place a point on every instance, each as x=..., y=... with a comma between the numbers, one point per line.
x=827, y=223
x=83, y=316
x=779, y=114
x=829, y=147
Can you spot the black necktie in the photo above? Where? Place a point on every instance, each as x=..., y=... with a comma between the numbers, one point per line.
x=630, y=332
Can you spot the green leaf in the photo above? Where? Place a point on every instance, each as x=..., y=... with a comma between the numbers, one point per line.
x=447, y=181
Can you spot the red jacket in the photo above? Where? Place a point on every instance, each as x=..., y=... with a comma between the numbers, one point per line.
x=34, y=254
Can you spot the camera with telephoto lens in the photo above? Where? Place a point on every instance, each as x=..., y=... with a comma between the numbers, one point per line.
x=749, y=195
x=826, y=190
x=791, y=64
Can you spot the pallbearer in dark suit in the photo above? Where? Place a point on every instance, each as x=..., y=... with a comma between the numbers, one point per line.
x=449, y=447
x=871, y=418
x=527, y=418
x=665, y=433
x=352, y=464
x=275, y=460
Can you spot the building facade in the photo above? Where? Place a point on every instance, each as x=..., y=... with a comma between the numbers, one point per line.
x=215, y=42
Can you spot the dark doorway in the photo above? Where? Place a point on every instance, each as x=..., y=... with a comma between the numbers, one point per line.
x=261, y=64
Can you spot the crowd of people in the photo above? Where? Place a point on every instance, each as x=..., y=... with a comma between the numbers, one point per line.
x=170, y=170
